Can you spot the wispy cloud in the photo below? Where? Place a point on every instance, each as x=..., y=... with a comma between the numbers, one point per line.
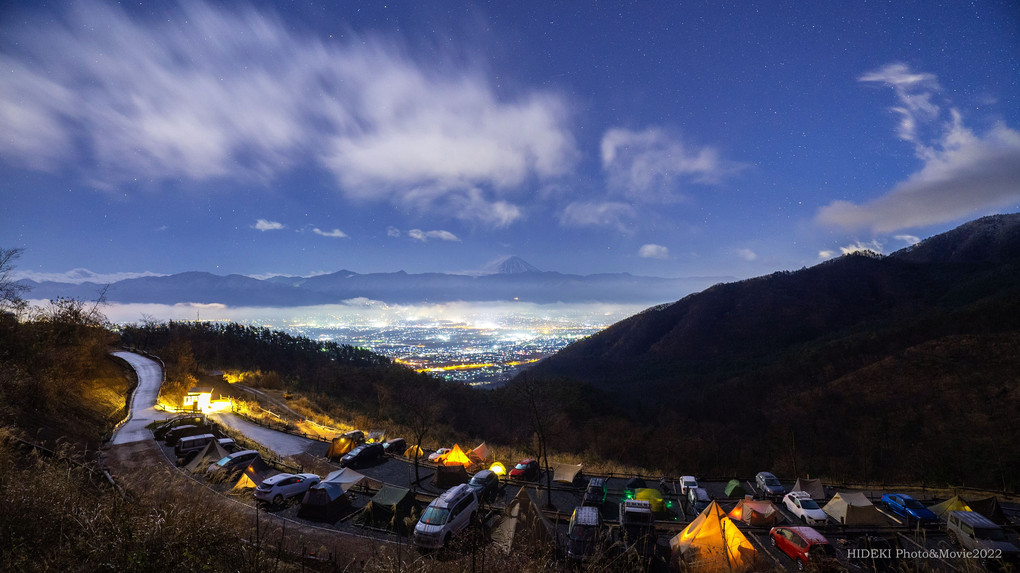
x=654, y=166
x=335, y=233
x=601, y=214
x=234, y=93
x=266, y=225
x=908, y=239
x=747, y=254
x=963, y=173
x=419, y=235
x=393, y=232
x=78, y=276
x=653, y=251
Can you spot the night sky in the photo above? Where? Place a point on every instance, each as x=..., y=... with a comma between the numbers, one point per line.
x=656, y=138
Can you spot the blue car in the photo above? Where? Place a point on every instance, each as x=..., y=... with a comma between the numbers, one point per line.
x=907, y=507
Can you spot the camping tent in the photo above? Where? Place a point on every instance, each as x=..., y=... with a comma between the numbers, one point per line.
x=253, y=475
x=210, y=454
x=326, y=499
x=734, y=489
x=449, y=476
x=412, y=451
x=989, y=507
x=343, y=444
x=812, y=486
x=653, y=497
x=525, y=527
x=480, y=454
x=456, y=457
x=762, y=513
x=566, y=473
x=952, y=504
x=854, y=509
x=712, y=542
x=389, y=508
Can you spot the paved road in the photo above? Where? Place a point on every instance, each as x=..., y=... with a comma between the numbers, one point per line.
x=282, y=443
x=142, y=411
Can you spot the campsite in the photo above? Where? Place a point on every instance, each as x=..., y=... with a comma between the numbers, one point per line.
x=383, y=502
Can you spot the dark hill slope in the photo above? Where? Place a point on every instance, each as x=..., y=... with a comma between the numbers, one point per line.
x=909, y=350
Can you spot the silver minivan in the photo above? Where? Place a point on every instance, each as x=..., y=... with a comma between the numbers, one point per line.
x=446, y=516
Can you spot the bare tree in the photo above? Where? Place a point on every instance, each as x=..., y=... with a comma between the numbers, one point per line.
x=10, y=290
x=422, y=410
x=544, y=416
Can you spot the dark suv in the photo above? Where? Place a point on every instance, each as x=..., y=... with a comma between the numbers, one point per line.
x=362, y=455
x=595, y=493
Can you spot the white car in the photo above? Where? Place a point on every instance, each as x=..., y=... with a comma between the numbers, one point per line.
x=438, y=454
x=800, y=504
x=687, y=483
x=446, y=516
x=284, y=486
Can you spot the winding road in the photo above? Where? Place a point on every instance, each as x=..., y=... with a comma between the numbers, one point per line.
x=143, y=404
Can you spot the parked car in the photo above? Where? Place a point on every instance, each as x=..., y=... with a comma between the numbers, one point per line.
x=637, y=523
x=235, y=462
x=800, y=504
x=803, y=545
x=687, y=483
x=160, y=432
x=526, y=470
x=192, y=444
x=280, y=487
x=595, y=493
x=769, y=485
x=438, y=454
x=445, y=517
x=177, y=432
x=975, y=532
x=698, y=498
x=584, y=532
x=486, y=485
x=363, y=454
x=909, y=508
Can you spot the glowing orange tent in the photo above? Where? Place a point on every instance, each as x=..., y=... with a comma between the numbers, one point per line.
x=456, y=457
x=712, y=543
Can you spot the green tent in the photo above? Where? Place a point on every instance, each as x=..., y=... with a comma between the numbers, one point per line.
x=391, y=508
x=734, y=489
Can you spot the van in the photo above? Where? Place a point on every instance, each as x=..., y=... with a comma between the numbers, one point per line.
x=445, y=517
x=584, y=532
x=973, y=531
x=227, y=444
x=189, y=444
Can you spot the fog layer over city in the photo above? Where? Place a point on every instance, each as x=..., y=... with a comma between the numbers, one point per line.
x=476, y=343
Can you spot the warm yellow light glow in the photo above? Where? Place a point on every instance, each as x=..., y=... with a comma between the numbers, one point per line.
x=498, y=469
x=217, y=406
x=473, y=366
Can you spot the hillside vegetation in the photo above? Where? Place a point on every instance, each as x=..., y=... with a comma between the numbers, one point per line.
x=901, y=368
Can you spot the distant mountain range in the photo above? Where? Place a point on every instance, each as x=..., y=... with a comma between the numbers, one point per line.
x=509, y=279
x=901, y=366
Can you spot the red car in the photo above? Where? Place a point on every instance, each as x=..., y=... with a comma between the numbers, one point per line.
x=802, y=544
x=526, y=470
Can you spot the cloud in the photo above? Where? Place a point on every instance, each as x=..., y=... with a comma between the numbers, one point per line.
x=908, y=239
x=652, y=251
x=747, y=254
x=604, y=214
x=210, y=92
x=650, y=165
x=963, y=174
x=419, y=235
x=335, y=233
x=392, y=232
x=264, y=225
x=78, y=276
